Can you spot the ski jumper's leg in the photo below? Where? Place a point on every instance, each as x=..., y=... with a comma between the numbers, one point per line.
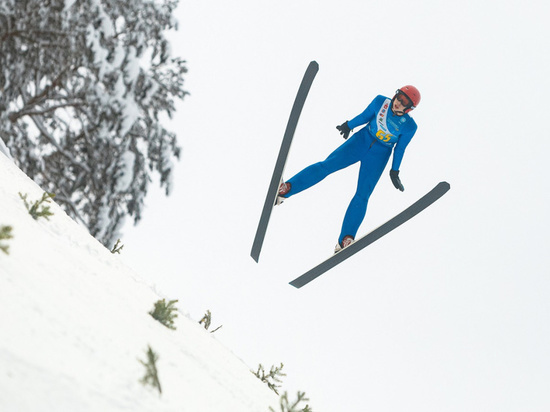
x=372, y=165
x=345, y=155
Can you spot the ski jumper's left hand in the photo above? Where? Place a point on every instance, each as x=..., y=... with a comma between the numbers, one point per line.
x=394, y=175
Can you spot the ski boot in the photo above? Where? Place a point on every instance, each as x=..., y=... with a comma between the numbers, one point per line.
x=346, y=241
x=284, y=188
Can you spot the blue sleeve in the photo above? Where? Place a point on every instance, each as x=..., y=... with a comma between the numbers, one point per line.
x=404, y=140
x=368, y=114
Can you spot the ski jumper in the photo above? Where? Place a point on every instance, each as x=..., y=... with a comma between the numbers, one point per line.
x=372, y=146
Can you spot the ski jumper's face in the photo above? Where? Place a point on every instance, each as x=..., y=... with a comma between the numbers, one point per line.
x=400, y=103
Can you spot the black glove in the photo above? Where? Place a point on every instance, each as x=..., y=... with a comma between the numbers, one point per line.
x=394, y=174
x=344, y=129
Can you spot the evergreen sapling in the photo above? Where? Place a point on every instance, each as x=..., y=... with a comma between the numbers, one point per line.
x=207, y=320
x=117, y=247
x=39, y=208
x=5, y=234
x=151, y=373
x=287, y=406
x=272, y=378
x=164, y=313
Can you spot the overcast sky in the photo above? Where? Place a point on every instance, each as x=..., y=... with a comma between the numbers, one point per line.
x=450, y=312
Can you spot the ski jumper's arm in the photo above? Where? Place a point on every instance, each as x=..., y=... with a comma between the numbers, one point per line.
x=401, y=145
x=368, y=114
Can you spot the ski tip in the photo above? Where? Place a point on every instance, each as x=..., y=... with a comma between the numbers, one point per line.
x=444, y=185
x=295, y=284
x=314, y=65
x=255, y=255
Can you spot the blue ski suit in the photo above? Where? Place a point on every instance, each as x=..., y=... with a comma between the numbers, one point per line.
x=372, y=146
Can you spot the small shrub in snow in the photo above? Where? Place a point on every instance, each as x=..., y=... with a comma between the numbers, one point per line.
x=5, y=234
x=207, y=320
x=164, y=313
x=151, y=373
x=287, y=406
x=272, y=378
x=39, y=208
x=117, y=247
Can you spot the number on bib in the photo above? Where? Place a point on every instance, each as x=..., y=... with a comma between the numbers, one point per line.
x=382, y=135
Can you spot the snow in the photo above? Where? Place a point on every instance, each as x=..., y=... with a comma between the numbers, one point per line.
x=100, y=53
x=118, y=56
x=130, y=114
x=75, y=323
x=150, y=92
x=68, y=4
x=128, y=160
x=4, y=149
x=102, y=220
x=132, y=68
x=107, y=27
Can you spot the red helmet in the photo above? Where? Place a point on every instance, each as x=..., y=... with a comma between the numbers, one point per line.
x=412, y=93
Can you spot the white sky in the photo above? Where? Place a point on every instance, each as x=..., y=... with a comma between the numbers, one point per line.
x=450, y=312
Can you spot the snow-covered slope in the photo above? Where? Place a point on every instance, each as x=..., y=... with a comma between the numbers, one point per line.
x=74, y=324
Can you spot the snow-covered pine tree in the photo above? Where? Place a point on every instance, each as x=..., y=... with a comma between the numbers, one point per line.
x=83, y=85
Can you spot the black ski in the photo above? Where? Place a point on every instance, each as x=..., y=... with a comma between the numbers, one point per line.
x=271, y=197
x=373, y=236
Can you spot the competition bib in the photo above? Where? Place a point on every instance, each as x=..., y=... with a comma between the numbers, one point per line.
x=383, y=133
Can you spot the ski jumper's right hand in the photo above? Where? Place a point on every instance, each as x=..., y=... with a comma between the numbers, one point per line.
x=344, y=129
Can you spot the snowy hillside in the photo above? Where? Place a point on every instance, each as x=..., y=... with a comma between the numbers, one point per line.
x=74, y=324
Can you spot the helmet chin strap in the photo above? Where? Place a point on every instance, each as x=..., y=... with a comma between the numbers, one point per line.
x=393, y=110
